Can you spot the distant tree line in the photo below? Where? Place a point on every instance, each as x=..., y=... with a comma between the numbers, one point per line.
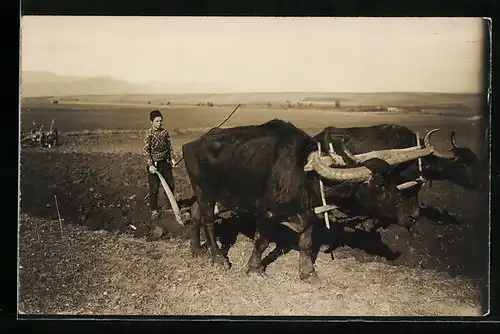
x=208, y=104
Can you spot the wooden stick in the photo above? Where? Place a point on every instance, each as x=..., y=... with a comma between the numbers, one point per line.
x=421, y=176
x=324, y=208
x=171, y=199
x=330, y=145
x=419, y=159
x=58, y=215
x=52, y=124
x=322, y=191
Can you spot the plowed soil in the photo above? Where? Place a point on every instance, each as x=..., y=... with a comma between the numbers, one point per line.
x=100, y=183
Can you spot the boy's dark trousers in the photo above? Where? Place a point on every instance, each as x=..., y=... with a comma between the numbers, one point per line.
x=165, y=170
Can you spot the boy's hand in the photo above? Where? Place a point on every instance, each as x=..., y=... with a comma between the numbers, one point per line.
x=152, y=169
x=173, y=162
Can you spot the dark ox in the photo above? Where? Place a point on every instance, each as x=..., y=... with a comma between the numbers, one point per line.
x=459, y=165
x=272, y=170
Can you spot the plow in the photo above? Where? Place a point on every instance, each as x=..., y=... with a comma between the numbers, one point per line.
x=37, y=137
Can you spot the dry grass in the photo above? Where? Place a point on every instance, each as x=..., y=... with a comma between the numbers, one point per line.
x=99, y=273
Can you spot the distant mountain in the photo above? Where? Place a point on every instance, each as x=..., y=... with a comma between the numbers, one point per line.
x=45, y=77
x=38, y=83
x=41, y=83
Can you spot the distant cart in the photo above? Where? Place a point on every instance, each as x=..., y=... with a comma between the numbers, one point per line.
x=36, y=137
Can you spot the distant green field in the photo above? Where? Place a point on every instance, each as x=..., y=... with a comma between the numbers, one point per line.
x=189, y=111
x=71, y=118
x=78, y=118
x=464, y=102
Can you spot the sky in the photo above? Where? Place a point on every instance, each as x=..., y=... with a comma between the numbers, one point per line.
x=263, y=54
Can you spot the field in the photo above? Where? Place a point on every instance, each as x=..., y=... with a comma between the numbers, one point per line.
x=110, y=260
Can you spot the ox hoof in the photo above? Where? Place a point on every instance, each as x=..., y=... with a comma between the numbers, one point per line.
x=198, y=251
x=256, y=272
x=311, y=277
x=221, y=261
x=393, y=257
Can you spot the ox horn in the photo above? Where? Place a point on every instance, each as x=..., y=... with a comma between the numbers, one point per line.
x=324, y=159
x=439, y=154
x=331, y=159
x=394, y=156
x=453, y=140
x=355, y=175
x=361, y=174
x=337, y=160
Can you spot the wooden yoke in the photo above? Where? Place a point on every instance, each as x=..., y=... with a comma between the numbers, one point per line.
x=420, y=177
x=322, y=192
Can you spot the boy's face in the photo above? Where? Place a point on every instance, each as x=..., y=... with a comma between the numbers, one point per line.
x=157, y=123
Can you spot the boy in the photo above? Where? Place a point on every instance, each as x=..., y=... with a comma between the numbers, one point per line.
x=157, y=151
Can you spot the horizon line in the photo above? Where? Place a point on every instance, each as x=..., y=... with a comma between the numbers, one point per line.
x=255, y=92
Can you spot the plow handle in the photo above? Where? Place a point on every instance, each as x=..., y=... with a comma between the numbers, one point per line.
x=171, y=199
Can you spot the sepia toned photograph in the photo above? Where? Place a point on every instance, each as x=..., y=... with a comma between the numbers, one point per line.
x=254, y=166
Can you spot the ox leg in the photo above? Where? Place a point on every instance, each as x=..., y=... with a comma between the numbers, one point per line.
x=207, y=219
x=194, y=242
x=261, y=242
x=306, y=267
